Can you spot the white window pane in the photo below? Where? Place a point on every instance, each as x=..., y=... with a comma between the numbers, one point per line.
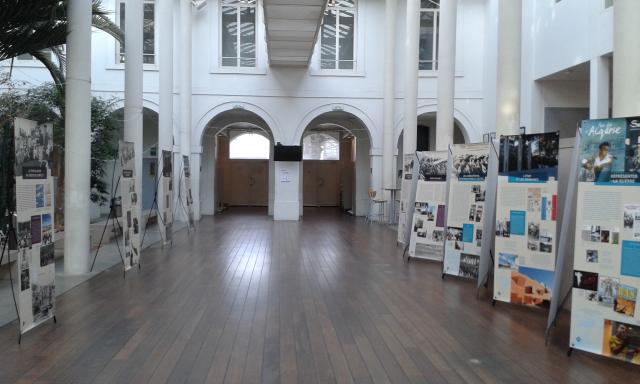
x=346, y=37
x=247, y=37
x=121, y=53
x=249, y=146
x=328, y=40
x=320, y=146
x=229, y=36
x=429, y=3
x=238, y=2
x=149, y=38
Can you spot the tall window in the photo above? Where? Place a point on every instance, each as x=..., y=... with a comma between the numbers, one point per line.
x=238, y=33
x=148, y=32
x=429, y=21
x=338, y=35
x=249, y=146
x=608, y=3
x=320, y=146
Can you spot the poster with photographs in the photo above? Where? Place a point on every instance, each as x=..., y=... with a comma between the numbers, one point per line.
x=428, y=225
x=34, y=208
x=604, y=315
x=166, y=204
x=525, y=227
x=130, y=191
x=187, y=197
x=405, y=192
x=465, y=218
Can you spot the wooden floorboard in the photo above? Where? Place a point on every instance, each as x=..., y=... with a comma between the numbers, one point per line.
x=329, y=299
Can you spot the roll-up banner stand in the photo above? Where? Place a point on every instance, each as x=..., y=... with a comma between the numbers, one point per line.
x=131, y=202
x=407, y=196
x=466, y=210
x=605, y=318
x=488, y=228
x=166, y=204
x=35, y=223
x=526, y=241
x=428, y=224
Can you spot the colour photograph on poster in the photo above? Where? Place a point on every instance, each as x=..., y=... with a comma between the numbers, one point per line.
x=130, y=205
x=428, y=230
x=525, y=226
x=34, y=231
x=465, y=218
x=604, y=316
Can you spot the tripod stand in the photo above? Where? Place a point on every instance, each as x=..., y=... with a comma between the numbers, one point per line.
x=114, y=221
x=158, y=213
x=184, y=208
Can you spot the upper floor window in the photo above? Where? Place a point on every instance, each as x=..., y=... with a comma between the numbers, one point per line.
x=238, y=33
x=320, y=146
x=608, y=3
x=249, y=146
x=429, y=22
x=338, y=35
x=148, y=32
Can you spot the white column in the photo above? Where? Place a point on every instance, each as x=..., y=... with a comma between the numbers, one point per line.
x=185, y=85
x=362, y=176
x=626, y=56
x=77, y=159
x=509, y=59
x=133, y=85
x=411, y=76
x=599, y=88
x=196, y=156
x=165, y=87
x=389, y=92
x=286, y=205
x=446, y=73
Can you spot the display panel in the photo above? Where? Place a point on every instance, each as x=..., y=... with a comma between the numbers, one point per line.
x=525, y=242
x=34, y=230
x=606, y=277
x=408, y=162
x=131, y=197
x=166, y=204
x=466, y=216
x=187, y=197
x=428, y=224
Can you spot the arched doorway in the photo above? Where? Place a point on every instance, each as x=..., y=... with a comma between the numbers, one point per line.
x=237, y=164
x=336, y=168
x=426, y=138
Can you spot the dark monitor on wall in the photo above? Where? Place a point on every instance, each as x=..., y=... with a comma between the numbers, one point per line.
x=287, y=152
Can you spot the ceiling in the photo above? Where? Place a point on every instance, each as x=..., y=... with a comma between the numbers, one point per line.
x=292, y=27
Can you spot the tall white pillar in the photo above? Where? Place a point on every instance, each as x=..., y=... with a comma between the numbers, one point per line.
x=165, y=87
x=626, y=56
x=411, y=76
x=389, y=93
x=185, y=85
x=509, y=67
x=77, y=158
x=446, y=73
x=133, y=26
x=599, y=88
x=196, y=162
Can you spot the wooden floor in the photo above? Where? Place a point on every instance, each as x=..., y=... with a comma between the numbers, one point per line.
x=329, y=299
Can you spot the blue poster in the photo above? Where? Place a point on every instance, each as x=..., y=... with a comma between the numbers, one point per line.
x=630, y=265
x=467, y=233
x=518, y=219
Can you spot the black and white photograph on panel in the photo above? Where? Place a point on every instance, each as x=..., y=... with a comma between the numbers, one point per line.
x=127, y=158
x=433, y=166
x=24, y=234
x=46, y=255
x=33, y=148
x=469, y=265
x=43, y=301
x=468, y=165
x=167, y=163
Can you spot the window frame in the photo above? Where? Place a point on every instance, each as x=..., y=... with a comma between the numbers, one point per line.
x=215, y=24
x=238, y=7
x=117, y=64
x=434, y=55
x=358, y=70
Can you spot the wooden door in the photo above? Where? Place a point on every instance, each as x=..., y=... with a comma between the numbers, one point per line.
x=239, y=187
x=258, y=183
x=328, y=182
x=310, y=183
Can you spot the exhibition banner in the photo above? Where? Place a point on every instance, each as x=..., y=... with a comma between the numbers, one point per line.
x=166, y=209
x=429, y=210
x=466, y=216
x=130, y=205
x=405, y=191
x=187, y=197
x=34, y=231
x=525, y=242
x=606, y=266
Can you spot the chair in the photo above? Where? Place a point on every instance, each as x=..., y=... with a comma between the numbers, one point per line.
x=376, y=208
